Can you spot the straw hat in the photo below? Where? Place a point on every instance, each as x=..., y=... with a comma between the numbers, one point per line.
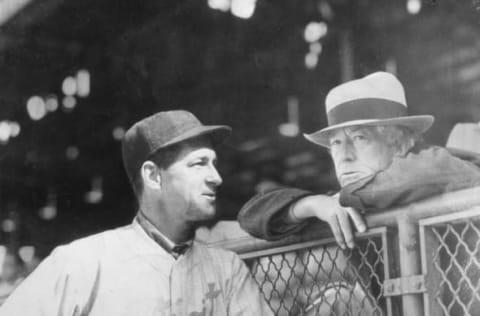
x=377, y=99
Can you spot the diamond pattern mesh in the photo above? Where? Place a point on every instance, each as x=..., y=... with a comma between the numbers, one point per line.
x=457, y=261
x=324, y=280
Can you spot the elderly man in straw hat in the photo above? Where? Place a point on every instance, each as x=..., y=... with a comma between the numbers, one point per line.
x=152, y=266
x=380, y=161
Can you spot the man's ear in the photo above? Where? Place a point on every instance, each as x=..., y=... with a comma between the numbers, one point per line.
x=404, y=147
x=150, y=175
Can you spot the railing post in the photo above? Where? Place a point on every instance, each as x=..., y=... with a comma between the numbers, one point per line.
x=410, y=264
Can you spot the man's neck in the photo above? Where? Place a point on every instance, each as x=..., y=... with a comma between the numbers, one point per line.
x=173, y=228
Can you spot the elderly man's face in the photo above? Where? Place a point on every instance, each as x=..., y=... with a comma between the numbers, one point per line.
x=359, y=152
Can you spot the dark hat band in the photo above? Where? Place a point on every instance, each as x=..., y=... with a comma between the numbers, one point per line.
x=365, y=109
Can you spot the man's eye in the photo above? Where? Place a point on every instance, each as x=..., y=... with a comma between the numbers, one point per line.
x=359, y=137
x=200, y=162
x=335, y=142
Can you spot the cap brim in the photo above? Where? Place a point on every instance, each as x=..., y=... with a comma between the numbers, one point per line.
x=217, y=133
x=417, y=123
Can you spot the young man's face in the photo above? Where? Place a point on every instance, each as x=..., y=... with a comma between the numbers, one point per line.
x=189, y=184
x=358, y=152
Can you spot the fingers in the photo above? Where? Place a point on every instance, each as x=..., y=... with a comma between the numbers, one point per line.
x=346, y=228
x=357, y=219
x=327, y=208
x=342, y=228
x=337, y=232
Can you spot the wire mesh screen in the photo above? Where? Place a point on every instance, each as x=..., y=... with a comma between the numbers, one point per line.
x=456, y=262
x=324, y=280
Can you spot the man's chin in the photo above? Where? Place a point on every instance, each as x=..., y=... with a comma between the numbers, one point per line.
x=350, y=179
x=209, y=213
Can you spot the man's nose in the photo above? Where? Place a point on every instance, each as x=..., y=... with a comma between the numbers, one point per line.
x=214, y=176
x=346, y=152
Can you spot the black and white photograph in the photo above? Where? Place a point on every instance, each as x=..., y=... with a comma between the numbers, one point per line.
x=239, y=158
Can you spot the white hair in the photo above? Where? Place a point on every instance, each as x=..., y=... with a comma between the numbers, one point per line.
x=400, y=137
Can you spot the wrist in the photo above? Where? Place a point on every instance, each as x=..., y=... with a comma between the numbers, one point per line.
x=313, y=206
x=291, y=215
x=301, y=209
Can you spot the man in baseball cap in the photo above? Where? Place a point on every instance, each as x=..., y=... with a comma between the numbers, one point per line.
x=152, y=266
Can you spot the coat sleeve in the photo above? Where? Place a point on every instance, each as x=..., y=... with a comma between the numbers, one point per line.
x=58, y=286
x=265, y=215
x=421, y=174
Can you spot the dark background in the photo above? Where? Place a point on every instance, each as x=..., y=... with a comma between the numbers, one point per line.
x=152, y=55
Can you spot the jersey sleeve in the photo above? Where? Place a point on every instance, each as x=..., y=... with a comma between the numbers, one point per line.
x=60, y=285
